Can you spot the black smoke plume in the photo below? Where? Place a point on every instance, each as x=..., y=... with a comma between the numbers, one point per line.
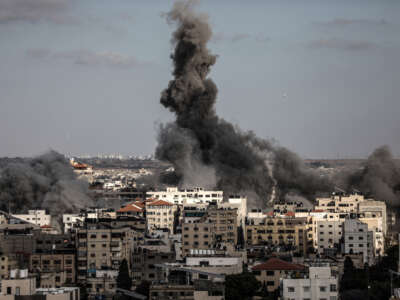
x=205, y=149
x=379, y=177
x=44, y=182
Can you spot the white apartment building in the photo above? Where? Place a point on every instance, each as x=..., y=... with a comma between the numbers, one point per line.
x=37, y=217
x=195, y=195
x=357, y=239
x=320, y=284
x=327, y=235
x=160, y=215
x=70, y=220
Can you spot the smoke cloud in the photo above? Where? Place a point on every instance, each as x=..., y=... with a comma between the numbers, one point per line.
x=46, y=182
x=205, y=149
x=379, y=177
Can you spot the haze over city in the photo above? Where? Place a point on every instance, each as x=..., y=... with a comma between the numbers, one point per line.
x=85, y=77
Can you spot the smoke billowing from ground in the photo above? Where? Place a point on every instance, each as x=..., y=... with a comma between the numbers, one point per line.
x=207, y=150
x=379, y=177
x=46, y=182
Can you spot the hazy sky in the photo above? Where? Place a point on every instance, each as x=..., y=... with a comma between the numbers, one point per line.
x=84, y=77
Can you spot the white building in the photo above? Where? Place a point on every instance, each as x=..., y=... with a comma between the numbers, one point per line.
x=37, y=217
x=357, y=239
x=320, y=284
x=327, y=235
x=70, y=220
x=160, y=215
x=195, y=195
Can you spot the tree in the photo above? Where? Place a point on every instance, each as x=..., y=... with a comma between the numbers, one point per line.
x=124, y=281
x=353, y=278
x=143, y=288
x=241, y=286
x=240, y=236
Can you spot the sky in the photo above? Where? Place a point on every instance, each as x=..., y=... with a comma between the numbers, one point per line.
x=320, y=77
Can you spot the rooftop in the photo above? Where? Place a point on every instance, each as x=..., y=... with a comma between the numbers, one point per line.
x=277, y=264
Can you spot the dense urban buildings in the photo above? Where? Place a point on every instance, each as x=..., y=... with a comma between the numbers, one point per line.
x=185, y=244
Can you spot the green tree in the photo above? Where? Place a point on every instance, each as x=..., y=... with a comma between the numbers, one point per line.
x=124, y=281
x=240, y=236
x=143, y=288
x=353, y=278
x=241, y=286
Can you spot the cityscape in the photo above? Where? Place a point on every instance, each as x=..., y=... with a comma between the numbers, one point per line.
x=177, y=194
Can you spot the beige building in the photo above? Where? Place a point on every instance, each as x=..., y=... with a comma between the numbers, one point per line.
x=160, y=214
x=240, y=204
x=60, y=268
x=20, y=286
x=6, y=264
x=208, y=229
x=339, y=203
x=276, y=230
x=101, y=248
x=200, y=290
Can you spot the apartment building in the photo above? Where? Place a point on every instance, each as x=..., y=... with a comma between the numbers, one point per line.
x=208, y=229
x=327, y=233
x=72, y=220
x=19, y=284
x=240, y=204
x=100, y=247
x=374, y=209
x=340, y=203
x=6, y=264
x=135, y=208
x=319, y=284
x=144, y=261
x=37, y=217
x=189, y=196
x=160, y=214
x=271, y=272
x=61, y=265
x=357, y=239
x=284, y=231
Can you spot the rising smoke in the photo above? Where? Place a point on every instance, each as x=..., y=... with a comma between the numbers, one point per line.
x=46, y=182
x=379, y=177
x=207, y=150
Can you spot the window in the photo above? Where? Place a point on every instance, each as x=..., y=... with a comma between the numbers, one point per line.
x=322, y=288
x=270, y=273
x=17, y=291
x=270, y=283
x=333, y=287
x=9, y=290
x=290, y=289
x=306, y=289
